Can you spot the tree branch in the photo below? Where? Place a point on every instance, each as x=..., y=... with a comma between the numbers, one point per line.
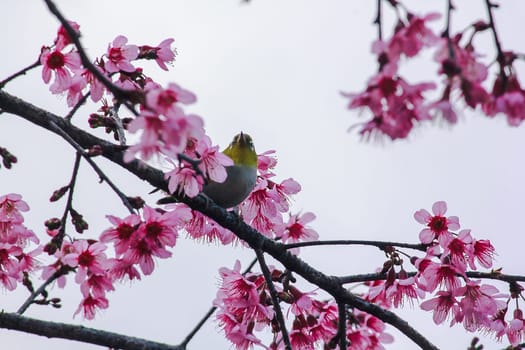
x=19, y=73
x=275, y=299
x=341, y=327
x=79, y=333
x=94, y=165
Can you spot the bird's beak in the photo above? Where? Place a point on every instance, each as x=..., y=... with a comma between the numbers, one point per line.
x=244, y=139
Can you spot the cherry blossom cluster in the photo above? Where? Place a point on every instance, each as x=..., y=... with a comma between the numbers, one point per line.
x=137, y=242
x=479, y=307
x=245, y=307
x=443, y=271
x=17, y=251
x=397, y=106
x=245, y=310
x=166, y=129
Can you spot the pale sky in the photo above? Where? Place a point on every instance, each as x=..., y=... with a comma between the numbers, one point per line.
x=274, y=69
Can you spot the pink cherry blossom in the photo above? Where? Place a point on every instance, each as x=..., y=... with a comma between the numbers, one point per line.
x=63, y=39
x=482, y=251
x=97, y=285
x=166, y=101
x=128, y=81
x=516, y=328
x=444, y=305
x=74, y=91
x=443, y=275
x=141, y=252
x=88, y=258
x=204, y=228
x=96, y=87
x=463, y=70
x=410, y=39
x=259, y=202
x=137, y=241
x=10, y=207
x=300, y=339
x=122, y=269
x=457, y=249
x=122, y=234
x=437, y=224
x=89, y=305
x=29, y=261
x=325, y=315
x=8, y=261
x=62, y=65
x=149, y=144
x=478, y=303
x=163, y=53
x=281, y=192
x=176, y=132
x=161, y=229
x=212, y=160
x=16, y=258
x=403, y=288
x=242, y=306
x=120, y=55
x=445, y=109
x=266, y=161
x=296, y=229
x=302, y=302
x=184, y=181
x=508, y=97
x=239, y=333
x=394, y=104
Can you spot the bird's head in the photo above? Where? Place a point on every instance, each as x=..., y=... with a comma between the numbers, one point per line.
x=242, y=151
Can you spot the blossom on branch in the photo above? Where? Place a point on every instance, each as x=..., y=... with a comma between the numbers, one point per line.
x=15, y=239
x=62, y=65
x=120, y=55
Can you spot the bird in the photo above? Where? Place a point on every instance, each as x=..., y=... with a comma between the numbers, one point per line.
x=241, y=176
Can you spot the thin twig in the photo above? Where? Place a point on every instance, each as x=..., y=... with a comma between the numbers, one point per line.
x=500, y=55
x=77, y=106
x=275, y=299
x=492, y=25
x=40, y=290
x=378, y=244
x=378, y=21
x=19, y=73
x=367, y=277
x=69, y=201
x=94, y=165
x=341, y=326
x=198, y=326
x=208, y=314
x=446, y=32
